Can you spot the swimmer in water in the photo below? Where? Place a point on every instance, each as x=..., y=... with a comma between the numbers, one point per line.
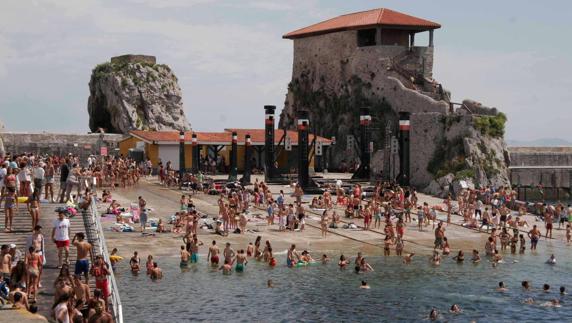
x=563, y=291
x=476, y=257
x=227, y=267
x=502, y=287
x=436, y=258
x=434, y=314
x=525, y=284
x=325, y=259
x=364, y=285
x=455, y=309
x=364, y=266
x=407, y=259
x=552, y=303
x=460, y=257
x=546, y=288
x=528, y=301
x=551, y=260
x=343, y=262
x=270, y=284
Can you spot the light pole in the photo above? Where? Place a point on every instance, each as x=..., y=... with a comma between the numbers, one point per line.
x=181, y=157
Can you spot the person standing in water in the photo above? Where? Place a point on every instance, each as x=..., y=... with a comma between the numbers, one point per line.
x=184, y=257
x=534, y=236
x=240, y=261
x=292, y=257
x=213, y=254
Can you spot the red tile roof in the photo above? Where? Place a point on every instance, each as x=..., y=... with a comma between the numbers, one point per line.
x=357, y=20
x=205, y=138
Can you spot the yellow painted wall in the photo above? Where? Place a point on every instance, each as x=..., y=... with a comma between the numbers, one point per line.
x=127, y=144
x=152, y=152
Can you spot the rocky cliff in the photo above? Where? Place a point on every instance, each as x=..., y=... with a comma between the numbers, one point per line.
x=333, y=79
x=133, y=92
x=2, y=150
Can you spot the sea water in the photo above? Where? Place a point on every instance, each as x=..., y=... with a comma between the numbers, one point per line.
x=324, y=293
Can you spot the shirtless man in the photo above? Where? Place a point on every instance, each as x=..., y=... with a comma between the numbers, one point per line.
x=100, y=315
x=195, y=249
x=439, y=235
x=228, y=254
x=213, y=254
x=534, y=236
x=292, y=257
x=156, y=272
x=82, y=296
x=548, y=220
x=5, y=262
x=83, y=251
x=240, y=261
x=184, y=257
x=226, y=268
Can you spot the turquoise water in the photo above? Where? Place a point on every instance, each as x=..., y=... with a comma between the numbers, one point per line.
x=324, y=293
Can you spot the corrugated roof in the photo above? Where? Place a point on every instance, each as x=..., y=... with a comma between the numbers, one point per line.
x=357, y=20
x=257, y=136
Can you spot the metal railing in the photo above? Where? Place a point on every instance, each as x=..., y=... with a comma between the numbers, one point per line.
x=95, y=232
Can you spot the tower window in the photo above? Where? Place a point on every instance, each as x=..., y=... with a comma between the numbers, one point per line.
x=366, y=37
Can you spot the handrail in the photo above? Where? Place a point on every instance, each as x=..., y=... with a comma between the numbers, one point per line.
x=102, y=250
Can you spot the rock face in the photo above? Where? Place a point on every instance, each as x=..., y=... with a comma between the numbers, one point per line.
x=333, y=78
x=132, y=92
x=2, y=150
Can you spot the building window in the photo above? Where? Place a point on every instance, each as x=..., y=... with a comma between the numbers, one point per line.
x=366, y=37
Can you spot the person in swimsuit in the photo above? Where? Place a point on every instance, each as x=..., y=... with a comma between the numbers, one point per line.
x=292, y=256
x=226, y=268
x=184, y=257
x=228, y=254
x=135, y=263
x=83, y=251
x=534, y=236
x=34, y=208
x=213, y=254
x=10, y=202
x=33, y=261
x=240, y=261
x=156, y=272
x=195, y=249
x=149, y=264
x=100, y=271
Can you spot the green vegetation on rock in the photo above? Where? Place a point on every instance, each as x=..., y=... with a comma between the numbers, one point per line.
x=491, y=125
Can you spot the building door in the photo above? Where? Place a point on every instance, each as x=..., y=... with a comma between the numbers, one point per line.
x=169, y=153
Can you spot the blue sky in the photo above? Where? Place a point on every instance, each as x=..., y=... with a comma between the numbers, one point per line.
x=231, y=60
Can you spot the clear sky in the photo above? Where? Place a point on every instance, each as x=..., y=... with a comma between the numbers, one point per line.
x=230, y=58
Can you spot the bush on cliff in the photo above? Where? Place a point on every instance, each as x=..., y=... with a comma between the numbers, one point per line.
x=491, y=125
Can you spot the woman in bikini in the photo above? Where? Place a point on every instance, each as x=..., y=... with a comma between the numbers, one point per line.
x=10, y=202
x=34, y=208
x=33, y=260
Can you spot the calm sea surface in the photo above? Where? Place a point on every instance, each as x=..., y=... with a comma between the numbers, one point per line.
x=324, y=293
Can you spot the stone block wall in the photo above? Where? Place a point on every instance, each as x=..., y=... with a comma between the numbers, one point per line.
x=54, y=143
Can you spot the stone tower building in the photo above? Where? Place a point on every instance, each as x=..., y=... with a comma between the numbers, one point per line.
x=370, y=59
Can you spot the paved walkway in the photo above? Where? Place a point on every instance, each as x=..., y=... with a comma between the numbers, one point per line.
x=22, y=226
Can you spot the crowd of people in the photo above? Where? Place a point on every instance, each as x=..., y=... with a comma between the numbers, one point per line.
x=32, y=180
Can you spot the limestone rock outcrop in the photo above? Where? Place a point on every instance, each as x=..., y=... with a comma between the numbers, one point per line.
x=132, y=92
x=2, y=150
